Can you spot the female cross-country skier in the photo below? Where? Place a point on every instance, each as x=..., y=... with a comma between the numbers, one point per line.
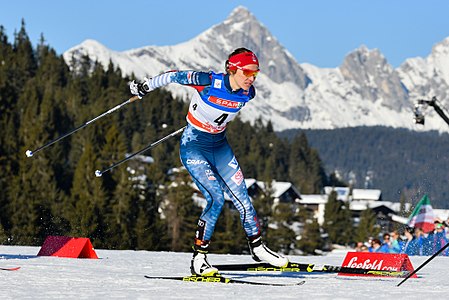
x=206, y=154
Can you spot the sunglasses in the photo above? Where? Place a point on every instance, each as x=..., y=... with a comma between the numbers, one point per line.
x=248, y=72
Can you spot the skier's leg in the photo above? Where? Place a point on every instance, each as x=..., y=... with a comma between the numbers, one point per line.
x=232, y=180
x=197, y=164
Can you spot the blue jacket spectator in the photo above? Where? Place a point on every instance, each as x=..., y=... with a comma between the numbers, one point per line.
x=439, y=239
x=378, y=247
x=427, y=244
x=411, y=244
x=395, y=244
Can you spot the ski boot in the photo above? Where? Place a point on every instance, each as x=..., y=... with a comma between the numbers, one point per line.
x=262, y=253
x=199, y=264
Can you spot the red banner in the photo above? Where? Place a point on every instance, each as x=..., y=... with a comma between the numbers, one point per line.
x=377, y=261
x=65, y=246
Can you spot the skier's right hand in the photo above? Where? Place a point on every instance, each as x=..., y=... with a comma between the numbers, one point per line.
x=140, y=89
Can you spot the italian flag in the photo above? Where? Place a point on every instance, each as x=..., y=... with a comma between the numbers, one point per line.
x=422, y=216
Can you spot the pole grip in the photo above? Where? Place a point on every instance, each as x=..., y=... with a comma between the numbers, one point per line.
x=134, y=98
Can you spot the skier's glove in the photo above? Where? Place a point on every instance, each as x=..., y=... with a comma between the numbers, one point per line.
x=141, y=89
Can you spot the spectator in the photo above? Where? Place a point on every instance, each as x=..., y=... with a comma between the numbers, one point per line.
x=395, y=242
x=421, y=239
x=378, y=247
x=386, y=242
x=364, y=248
x=439, y=238
x=358, y=247
x=411, y=244
x=425, y=242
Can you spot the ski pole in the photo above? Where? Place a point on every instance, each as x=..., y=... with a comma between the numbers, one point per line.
x=424, y=263
x=98, y=173
x=30, y=153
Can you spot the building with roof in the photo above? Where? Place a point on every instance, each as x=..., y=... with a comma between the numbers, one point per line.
x=366, y=195
x=359, y=200
x=315, y=204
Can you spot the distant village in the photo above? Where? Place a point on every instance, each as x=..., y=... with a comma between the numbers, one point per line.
x=389, y=215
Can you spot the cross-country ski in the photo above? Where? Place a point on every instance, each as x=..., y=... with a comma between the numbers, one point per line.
x=222, y=279
x=309, y=268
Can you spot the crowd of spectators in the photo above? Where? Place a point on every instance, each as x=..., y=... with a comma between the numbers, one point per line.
x=412, y=241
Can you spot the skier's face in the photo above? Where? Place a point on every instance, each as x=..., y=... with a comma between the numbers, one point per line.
x=244, y=76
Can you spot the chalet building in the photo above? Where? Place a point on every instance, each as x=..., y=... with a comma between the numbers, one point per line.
x=282, y=191
x=315, y=204
x=343, y=192
x=359, y=200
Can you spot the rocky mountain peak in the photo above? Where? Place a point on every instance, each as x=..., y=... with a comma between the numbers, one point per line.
x=243, y=29
x=441, y=47
x=240, y=14
x=376, y=78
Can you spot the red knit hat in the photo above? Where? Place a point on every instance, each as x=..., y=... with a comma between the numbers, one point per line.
x=242, y=59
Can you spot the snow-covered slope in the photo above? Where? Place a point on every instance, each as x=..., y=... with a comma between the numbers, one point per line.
x=364, y=90
x=120, y=275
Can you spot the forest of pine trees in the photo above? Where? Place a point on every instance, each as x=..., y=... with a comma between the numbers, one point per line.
x=398, y=161
x=136, y=205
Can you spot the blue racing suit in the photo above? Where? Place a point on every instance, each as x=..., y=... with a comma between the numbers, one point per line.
x=204, y=149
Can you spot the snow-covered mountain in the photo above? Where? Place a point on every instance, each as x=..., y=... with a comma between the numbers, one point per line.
x=364, y=91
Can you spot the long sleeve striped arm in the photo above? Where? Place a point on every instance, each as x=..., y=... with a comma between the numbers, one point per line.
x=180, y=77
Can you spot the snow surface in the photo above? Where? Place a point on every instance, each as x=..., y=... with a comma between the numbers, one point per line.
x=119, y=274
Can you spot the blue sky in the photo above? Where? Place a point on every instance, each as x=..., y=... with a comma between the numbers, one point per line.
x=320, y=32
